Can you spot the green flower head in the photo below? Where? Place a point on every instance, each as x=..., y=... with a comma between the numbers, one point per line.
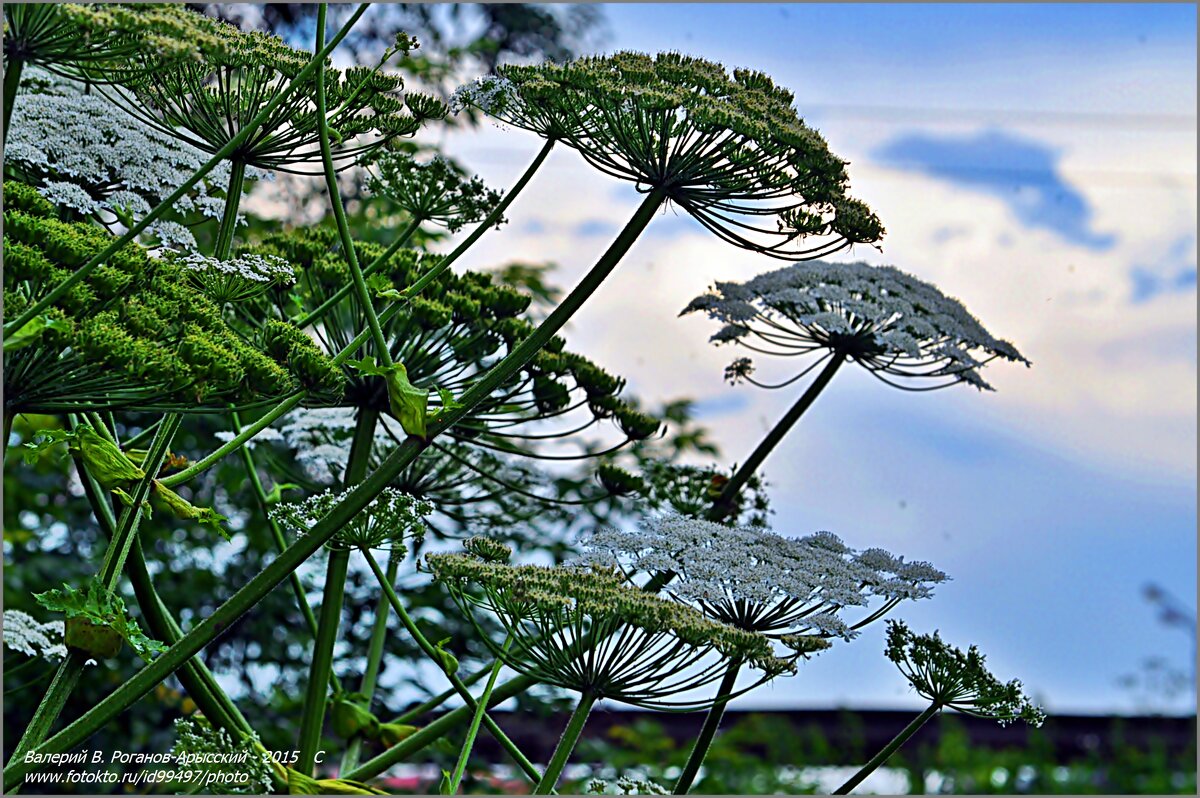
x=437, y=190
x=950, y=677
x=730, y=149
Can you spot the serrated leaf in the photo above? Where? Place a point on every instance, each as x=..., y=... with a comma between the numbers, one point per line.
x=183, y=509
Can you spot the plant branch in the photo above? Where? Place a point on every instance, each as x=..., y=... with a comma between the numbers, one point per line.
x=889, y=749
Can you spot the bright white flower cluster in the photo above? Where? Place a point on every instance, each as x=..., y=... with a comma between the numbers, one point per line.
x=392, y=517
x=23, y=633
x=488, y=94
x=254, y=268
x=756, y=579
x=626, y=785
x=321, y=438
x=883, y=318
x=90, y=156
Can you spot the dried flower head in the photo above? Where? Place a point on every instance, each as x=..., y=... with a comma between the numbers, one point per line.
x=390, y=520
x=437, y=190
x=589, y=630
x=757, y=580
x=729, y=149
x=949, y=677
x=887, y=321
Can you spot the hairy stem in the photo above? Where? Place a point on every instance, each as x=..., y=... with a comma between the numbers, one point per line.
x=566, y=744
x=707, y=732
x=322, y=660
x=889, y=749
x=358, y=498
x=167, y=204
x=724, y=503
x=483, y=226
x=233, y=198
x=473, y=731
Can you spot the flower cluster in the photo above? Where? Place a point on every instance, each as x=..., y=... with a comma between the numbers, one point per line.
x=950, y=677
x=88, y=155
x=729, y=149
x=392, y=518
x=755, y=579
x=437, y=190
x=135, y=332
x=209, y=100
x=589, y=630
x=238, y=278
x=206, y=748
x=23, y=633
x=889, y=322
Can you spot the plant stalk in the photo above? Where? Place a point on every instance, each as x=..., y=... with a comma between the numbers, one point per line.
x=233, y=198
x=322, y=660
x=252, y=127
x=724, y=503
x=473, y=731
x=566, y=744
x=889, y=749
x=399, y=459
x=12, y=79
x=707, y=732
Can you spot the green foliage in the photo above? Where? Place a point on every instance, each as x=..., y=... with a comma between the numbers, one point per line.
x=95, y=608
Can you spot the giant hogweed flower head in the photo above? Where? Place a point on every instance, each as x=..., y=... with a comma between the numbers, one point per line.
x=757, y=580
x=641, y=649
x=389, y=521
x=729, y=149
x=84, y=153
x=437, y=190
x=949, y=677
x=25, y=634
x=239, y=278
x=206, y=102
x=889, y=322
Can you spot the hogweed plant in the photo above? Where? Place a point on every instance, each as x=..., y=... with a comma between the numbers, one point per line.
x=375, y=399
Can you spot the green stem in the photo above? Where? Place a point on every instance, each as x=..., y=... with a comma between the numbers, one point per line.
x=483, y=226
x=439, y=699
x=371, y=268
x=339, y=212
x=358, y=498
x=889, y=749
x=12, y=79
x=473, y=731
x=237, y=441
x=432, y=652
x=723, y=505
x=707, y=732
x=374, y=656
x=566, y=744
x=167, y=204
x=322, y=660
x=280, y=541
x=233, y=198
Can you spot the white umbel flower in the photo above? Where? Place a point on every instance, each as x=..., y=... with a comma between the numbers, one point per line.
x=23, y=633
x=891, y=323
x=758, y=580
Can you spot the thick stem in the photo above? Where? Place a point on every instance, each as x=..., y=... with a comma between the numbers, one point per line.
x=566, y=744
x=339, y=212
x=322, y=660
x=707, y=732
x=432, y=652
x=374, y=657
x=12, y=79
x=233, y=198
x=473, y=731
x=358, y=498
x=889, y=749
x=725, y=502
x=167, y=204
x=483, y=226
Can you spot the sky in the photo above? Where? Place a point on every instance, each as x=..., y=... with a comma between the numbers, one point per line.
x=1037, y=162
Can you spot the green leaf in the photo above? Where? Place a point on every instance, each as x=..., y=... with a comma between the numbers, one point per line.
x=276, y=494
x=182, y=508
x=101, y=607
x=33, y=330
x=104, y=460
x=444, y=786
x=43, y=441
x=408, y=403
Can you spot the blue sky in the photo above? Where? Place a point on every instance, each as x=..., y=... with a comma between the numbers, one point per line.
x=1036, y=161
